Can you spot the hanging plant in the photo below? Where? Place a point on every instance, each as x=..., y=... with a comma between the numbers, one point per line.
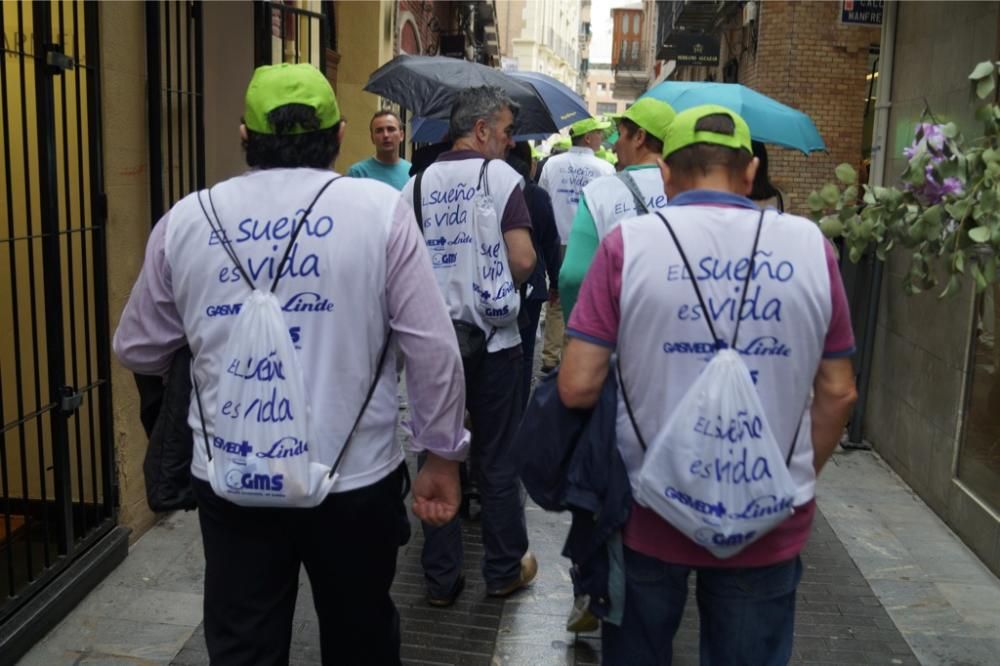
x=945, y=209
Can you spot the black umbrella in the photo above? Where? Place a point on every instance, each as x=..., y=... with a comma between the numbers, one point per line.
x=427, y=85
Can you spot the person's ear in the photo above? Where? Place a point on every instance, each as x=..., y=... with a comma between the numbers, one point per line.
x=243, y=132
x=746, y=183
x=664, y=173
x=341, y=131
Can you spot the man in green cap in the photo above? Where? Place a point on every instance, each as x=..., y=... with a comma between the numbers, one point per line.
x=564, y=177
x=668, y=291
x=345, y=261
x=636, y=190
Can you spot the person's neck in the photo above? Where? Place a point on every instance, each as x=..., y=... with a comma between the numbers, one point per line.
x=467, y=143
x=388, y=160
x=645, y=159
x=713, y=181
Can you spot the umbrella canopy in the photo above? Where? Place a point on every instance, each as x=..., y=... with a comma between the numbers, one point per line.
x=562, y=104
x=770, y=121
x=431, y=130
x=427, y=85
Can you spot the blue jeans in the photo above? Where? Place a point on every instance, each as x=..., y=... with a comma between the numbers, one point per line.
x=493, y=398
x=747, y=615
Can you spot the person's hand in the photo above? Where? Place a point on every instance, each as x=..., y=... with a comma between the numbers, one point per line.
x=553, y=296
x=436, y=491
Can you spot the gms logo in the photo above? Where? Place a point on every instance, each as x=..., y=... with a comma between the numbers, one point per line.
x=498, y=312
x=708, y=536
x=237, y=480
x=444, y=259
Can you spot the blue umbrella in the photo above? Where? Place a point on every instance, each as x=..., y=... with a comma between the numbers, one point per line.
x=562, y=104
x=770, y=121
x=431, y=130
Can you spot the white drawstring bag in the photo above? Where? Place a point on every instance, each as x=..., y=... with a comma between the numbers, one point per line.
x=715, y=471
x=496, y=295
x=259, y=452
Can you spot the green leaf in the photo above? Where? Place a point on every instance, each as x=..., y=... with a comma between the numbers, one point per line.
x=950, y=130
x=947, y=169
x=990, y=156
x=958, y=209
x=815, y=202
x=846, y=174
x=980, y=234
x=850, y=195
x=855, y=254
x=984, y=87
x=977, y=275
x=831, y=226
x=982, y=70
x=869, y=197
x=829, y=194
x=989, y=201
x=954, y=283
x=958, y=261
x=933, y=215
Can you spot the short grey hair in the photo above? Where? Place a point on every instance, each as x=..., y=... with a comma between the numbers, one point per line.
x=474, y=104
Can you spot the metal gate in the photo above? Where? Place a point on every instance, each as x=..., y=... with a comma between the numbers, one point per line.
x=287, y=33
x=175, y=71
x=57, y=481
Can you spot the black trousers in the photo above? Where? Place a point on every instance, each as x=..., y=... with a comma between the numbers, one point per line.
x=348, y=546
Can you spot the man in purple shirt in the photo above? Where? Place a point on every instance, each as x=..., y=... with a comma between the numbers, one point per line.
x=482, y=126
x=356, y=274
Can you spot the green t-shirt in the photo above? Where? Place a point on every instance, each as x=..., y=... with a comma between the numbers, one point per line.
x=393, y=174
x=580, y=250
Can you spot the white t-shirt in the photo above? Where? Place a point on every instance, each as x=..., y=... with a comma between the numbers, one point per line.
x=564, y=177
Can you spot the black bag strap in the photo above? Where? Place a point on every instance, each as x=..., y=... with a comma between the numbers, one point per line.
x=697, y=291
x=629, y=182
x=418, y=206
x=364, y=405
x=484, y=181
x=628, y=405
x=220, y=233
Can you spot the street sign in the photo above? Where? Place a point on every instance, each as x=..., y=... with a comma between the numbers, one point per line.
x=861, y=12
x=689, y=48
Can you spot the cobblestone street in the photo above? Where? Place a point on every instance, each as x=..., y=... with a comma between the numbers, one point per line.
x=884, y=582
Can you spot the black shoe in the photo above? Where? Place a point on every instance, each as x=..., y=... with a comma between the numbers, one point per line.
x=444, y=602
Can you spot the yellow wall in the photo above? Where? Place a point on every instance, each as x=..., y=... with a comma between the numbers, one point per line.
x=228, y=67
x=358, y=23
x=126, y=177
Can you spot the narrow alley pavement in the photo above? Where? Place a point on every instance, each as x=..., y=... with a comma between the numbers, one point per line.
x=885, y=582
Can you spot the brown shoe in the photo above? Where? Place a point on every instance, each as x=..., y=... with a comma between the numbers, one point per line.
x=444, y=602
x=529, y=569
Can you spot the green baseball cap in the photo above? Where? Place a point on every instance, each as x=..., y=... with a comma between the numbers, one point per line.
x=588, y=125
x=273, y=86
x=682, y=133
x=652, y=115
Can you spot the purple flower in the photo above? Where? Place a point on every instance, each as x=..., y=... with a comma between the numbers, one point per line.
x=930, y=138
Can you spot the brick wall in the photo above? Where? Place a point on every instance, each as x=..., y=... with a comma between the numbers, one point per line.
x=806, y=58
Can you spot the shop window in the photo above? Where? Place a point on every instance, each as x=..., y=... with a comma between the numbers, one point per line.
x=979, y=455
